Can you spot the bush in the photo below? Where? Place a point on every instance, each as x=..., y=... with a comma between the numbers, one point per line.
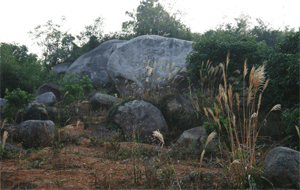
x=16, y=101
x=283, y=70
x=75, y=89
x=214, y=46
x=290, y=120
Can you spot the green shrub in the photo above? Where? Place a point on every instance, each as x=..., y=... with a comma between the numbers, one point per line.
x=75, y=88
x=16, y=101
x=86, y=84
x=214, y=46
x=283, y=70
x=290, y=120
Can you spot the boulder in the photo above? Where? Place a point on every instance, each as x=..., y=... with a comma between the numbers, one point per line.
x=94, y=64
x=282, y=167
x=196, y=134
x=147, y=62
x=103, y=100
x=48, y=87
x=47, y=98
x=62, y=68
x=141, y=117
x=179, y=105
x=35, y=133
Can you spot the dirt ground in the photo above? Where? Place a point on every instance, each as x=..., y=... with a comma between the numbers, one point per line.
x=103, y=166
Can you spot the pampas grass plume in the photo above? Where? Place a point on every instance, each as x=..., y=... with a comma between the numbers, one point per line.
x=159, y=136
x=5, y=135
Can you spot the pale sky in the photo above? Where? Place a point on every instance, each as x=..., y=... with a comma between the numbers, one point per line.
x=18, y=17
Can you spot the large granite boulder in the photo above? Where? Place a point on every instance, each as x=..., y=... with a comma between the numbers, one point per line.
x=35, y=133
x=47, y=98
x=62, y=68
x=282, y=167
x=48, y=87
x=94, y=64
x=147, y=62
x=103, y=101
x=141, y=117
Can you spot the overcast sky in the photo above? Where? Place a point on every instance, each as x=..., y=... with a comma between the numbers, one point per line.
x=18, y=17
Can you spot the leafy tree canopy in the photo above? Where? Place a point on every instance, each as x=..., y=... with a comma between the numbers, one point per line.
x=151, y=18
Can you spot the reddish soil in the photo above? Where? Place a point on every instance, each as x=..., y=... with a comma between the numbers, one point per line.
x=100, y=167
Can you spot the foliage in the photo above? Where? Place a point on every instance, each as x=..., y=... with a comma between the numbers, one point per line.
x=290, y=120
x=19, y=69
x=57, y=45
x=86, y=84
x=72, y=89
x=215, y=45
x=152, y=18
x=283, y=70
x=16, y=100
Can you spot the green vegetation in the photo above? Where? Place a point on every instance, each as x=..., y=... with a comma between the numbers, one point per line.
x=260, y=69
x=16, y=101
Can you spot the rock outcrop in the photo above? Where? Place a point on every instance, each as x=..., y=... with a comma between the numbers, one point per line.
x=147, y=62
x=94, y=64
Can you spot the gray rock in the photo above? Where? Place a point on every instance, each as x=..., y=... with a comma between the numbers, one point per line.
x=3, y=102
x=103, y=100
x=140, y=116
x=47, y=98
x=147, y=62
x=181, y=105
x=282, y=167
x=62, y=68
x=196, y=134
x=48, y=87
x=35, y=133
x=94, y=64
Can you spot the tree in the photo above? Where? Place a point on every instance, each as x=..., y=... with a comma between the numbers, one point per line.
x=263, y=32
x=56, y=44
x=151, y=18
x=18, y=69
x=92, y=31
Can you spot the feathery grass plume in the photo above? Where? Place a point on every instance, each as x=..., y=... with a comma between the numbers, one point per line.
x=254, y=115
x=205, y=111
x=209, y=138
x=297, y=128
x=227, y=60
x=159, y=136
x=66, y=93
x=237, y=97
x=46, y=111
x=3, y=124
x=234, y=162
x=266, y=84
x=5, y=135
x=245, y=69
x=276, y=107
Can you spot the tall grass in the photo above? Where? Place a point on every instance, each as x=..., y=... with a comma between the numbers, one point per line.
x=243, y=126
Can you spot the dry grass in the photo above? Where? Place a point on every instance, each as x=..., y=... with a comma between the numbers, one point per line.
x=243, y=132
